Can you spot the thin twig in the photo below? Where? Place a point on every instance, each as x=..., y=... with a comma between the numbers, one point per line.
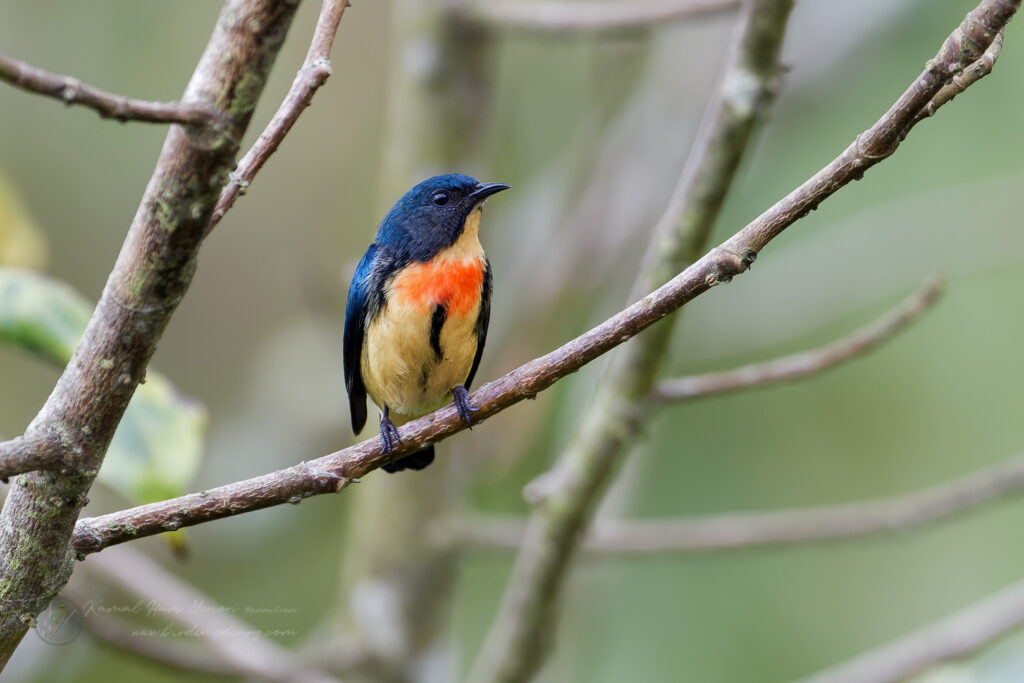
x=314, y=73
x=958, y=635
x=800, y=365
x=744, y=530
x=558, y=16
x=70, y=91
x=333, y=472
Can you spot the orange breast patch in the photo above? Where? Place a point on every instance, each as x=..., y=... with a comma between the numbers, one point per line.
x=456, y=284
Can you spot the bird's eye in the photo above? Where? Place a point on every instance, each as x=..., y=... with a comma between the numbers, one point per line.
x=440, y=198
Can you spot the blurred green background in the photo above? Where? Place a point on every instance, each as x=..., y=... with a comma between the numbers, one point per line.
x=591, y=133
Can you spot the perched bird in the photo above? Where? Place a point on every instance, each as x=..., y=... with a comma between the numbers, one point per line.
x=418, y=309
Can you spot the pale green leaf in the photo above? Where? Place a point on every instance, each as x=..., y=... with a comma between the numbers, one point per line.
x=159, y=443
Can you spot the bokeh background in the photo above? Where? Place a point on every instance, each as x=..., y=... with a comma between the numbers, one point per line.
x=591, y=133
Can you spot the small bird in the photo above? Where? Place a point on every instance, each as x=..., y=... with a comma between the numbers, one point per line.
x=418, y=309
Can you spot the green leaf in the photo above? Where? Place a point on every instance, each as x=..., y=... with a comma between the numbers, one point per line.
x=41, y=315
x=159, y=443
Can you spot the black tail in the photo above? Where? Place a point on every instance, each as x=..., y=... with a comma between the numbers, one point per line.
x=416, y=461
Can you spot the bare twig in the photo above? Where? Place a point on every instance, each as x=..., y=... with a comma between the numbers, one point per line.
x=743, y=530
x=800, y=365
x=70, y=90
x=148, y=281
x=238, y=645
x=333, y=472
x=958, y=635
x=558, y=16
x=314, y=73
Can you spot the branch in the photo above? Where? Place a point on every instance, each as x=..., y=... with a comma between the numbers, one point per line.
x=975, y=72
x=800, y=365
x=70, y=90
x=557, y=16
x=332, y=473
x=24, y=454
x=958, y=635
x=314, y=73
x=149, y=279
x=119, y=634
x=740, y=531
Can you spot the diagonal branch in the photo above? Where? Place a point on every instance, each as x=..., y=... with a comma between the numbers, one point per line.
x=558, y=16
x=958, y=635
x=333, y=472
x=741, y=531
x=800, y=365
x=70, y=91
x=314, y=73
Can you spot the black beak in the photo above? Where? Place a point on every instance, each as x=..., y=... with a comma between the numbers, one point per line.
x=485, y=190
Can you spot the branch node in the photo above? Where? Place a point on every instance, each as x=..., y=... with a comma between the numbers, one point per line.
x=864, y=155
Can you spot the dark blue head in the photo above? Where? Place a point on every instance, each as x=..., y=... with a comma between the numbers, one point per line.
x=432, y=215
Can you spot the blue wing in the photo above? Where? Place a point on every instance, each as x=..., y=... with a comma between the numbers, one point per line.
x=481, y=322
x=357, y=313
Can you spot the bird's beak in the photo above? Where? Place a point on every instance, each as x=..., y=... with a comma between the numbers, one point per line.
x=485, y=190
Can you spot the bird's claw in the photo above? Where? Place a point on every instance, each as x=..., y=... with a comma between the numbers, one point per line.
x=388, y=436
x=462, y=405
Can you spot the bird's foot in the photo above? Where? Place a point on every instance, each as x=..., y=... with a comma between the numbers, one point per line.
x=389, y=436
x=462, y=405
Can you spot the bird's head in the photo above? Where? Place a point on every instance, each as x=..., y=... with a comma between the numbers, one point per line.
x=432, y=215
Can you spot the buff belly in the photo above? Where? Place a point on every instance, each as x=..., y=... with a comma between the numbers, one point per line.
x=403, y=371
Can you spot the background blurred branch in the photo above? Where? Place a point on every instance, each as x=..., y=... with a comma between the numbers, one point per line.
x=118, y=634
x=237, y=645
x=958, y=635
x=736, y=531
x=314, y=73
x=519, y=639
x=558, y=16
x=70, y=90
x=803, y=364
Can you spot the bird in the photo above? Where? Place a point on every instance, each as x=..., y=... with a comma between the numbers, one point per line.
x=417, y=311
